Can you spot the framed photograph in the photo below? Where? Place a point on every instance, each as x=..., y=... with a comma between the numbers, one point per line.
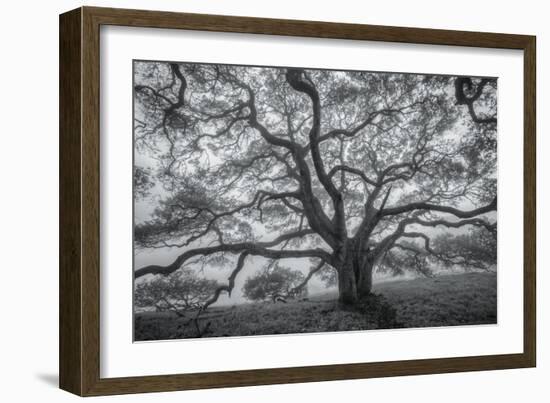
x=249, y=201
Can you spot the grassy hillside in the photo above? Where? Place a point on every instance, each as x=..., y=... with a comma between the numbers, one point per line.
x=464, y=299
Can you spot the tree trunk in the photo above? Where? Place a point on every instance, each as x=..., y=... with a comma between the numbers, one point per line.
x=354, y=278
x=364, y=280
x=347, y=283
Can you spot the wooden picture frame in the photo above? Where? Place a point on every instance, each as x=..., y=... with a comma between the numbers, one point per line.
x=79, y=346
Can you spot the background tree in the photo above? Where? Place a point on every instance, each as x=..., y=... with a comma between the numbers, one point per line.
x=275, y=282
x=180, y=292
x=335, y=168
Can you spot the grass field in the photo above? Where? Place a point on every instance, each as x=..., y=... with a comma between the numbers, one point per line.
x=463, y=299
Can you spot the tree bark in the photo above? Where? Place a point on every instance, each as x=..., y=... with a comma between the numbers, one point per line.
x=347, y=283
x=364, y=280
x=354, y=277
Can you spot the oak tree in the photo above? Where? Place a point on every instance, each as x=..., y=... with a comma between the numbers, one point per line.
x=335, y=168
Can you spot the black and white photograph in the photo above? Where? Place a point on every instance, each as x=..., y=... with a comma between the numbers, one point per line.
x=283, y=200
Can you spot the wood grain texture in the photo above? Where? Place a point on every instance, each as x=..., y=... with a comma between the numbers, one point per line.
x=90, y=202
x=70, y=271
x=530, y=202
x=80, y=196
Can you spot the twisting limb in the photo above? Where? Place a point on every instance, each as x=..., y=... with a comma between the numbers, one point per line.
x=295, y=78
x=312, y=271
x=317, y=218
x=399, y=232
x=444, y=209
x=254, y=249
x=228, y=288
x=463, y=99
x=446, y=257
x=259, y=198
x=355, y=171
x=223, y=288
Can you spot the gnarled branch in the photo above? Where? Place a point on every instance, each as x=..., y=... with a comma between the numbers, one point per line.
x=251, y=248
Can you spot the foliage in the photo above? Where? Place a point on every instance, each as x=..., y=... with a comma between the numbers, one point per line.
x=474, y=249
x=379, y=310
x=274, y=281
x=142, y=182
x=181, y=291
x=413, y=259
x=328, y=276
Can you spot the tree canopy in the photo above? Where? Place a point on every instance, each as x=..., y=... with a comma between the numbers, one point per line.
x=339, y=168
